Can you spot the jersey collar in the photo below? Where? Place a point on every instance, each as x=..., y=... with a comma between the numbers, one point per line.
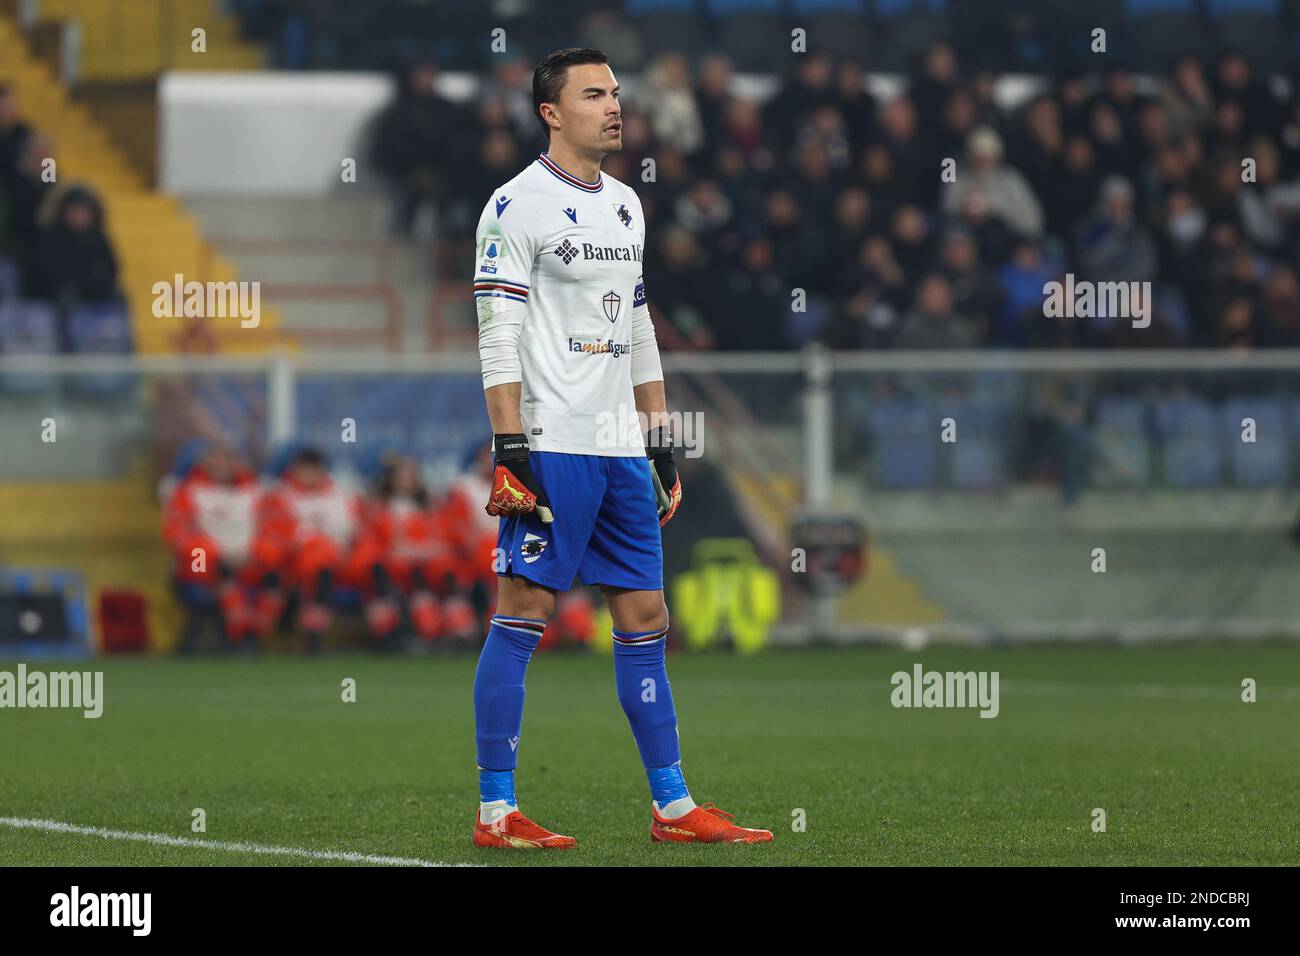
x=549, y=165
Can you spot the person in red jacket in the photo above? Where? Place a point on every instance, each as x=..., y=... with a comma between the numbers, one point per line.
x=409, y=558
x=209, y=526
x=310, y=525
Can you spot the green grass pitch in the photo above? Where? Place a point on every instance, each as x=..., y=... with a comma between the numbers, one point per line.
x=1158, y=737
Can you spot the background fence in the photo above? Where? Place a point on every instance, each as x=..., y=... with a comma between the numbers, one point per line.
x=1005, y=496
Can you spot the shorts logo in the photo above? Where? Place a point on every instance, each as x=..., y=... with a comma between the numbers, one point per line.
x=532, y=547
x=611, y=302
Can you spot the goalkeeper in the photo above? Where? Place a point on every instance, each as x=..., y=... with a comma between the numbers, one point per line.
x=569, y=359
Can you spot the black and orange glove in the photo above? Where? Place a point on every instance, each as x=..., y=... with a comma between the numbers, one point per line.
x=663, y=472
x=515, y=489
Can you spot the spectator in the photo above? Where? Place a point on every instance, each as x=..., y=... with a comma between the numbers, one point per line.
x=74, y=260
x=669, y=102
x=412, y=148
x=933, y=323
x=1007, y=193
x=13, y=133
x=1112, y=245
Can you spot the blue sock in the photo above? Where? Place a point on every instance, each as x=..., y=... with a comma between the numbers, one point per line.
x=497, y=785
x=499, y=694
x=667, y=784
x=642, y=680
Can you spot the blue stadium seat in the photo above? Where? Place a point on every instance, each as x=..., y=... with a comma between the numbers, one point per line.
x=748, y=31
x=904, y=441
x=1163, y=30
x=979, y=463
x=910, y=27
x=670, y=25
x=734, y=8
x=1266, y=462
x=9, y=278
x=1141, y=8
x=101, y=328
x=651, y=7
x=1227, y=8
x=1121, y=443
x=813, y=8
x=1189, y=437
x=31, y=329
x=1253, y=26
x=887, y=9
x=979, y=456
x=839, y=27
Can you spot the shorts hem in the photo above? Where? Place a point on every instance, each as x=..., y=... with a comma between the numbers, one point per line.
x=627, y=584
x=542, y=579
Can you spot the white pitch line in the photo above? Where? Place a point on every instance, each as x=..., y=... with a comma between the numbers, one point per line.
x=163, y=839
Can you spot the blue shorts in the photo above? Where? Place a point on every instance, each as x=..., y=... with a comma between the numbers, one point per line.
x=606, y=527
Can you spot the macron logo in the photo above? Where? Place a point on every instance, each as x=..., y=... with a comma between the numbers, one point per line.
x=514, y=743
x=102, y=909
x=572, y=214
x=501, y=205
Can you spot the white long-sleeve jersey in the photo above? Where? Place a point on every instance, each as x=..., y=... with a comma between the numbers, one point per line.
x=562, y=309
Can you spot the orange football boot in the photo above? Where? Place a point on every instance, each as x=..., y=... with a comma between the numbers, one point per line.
x=704, y=824
x=516, y=831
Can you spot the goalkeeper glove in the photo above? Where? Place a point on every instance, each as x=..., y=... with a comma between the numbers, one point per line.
x=515, y=489
x=663, y=472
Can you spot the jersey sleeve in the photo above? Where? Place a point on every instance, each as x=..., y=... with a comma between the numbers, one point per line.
x=505, y=249
x=646, y=366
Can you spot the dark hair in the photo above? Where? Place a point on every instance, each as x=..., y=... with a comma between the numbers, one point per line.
x=309, y=456
x=386, y=486
x=549, y=77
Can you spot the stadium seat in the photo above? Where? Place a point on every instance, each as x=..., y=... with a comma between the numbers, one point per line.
x=1160, y=31
x=1266, y=462
x=909, y=26
x=840, y=27
x=669, y=25
x=979, y=456
x=101, y=328
x=30, y=329
x=1189, y=438
x=1122, y=443
x=641, y=8
x=751, y=32
x=1254, y=27
x=904, y=440
x=9, y=278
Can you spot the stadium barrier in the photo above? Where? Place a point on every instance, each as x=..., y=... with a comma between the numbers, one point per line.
x=1130, y=495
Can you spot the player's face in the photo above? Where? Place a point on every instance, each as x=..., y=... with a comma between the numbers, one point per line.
x=589, y=109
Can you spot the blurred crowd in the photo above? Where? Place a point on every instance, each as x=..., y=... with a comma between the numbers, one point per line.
x=254, y=556
x=53, y=247
x=827, y=188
